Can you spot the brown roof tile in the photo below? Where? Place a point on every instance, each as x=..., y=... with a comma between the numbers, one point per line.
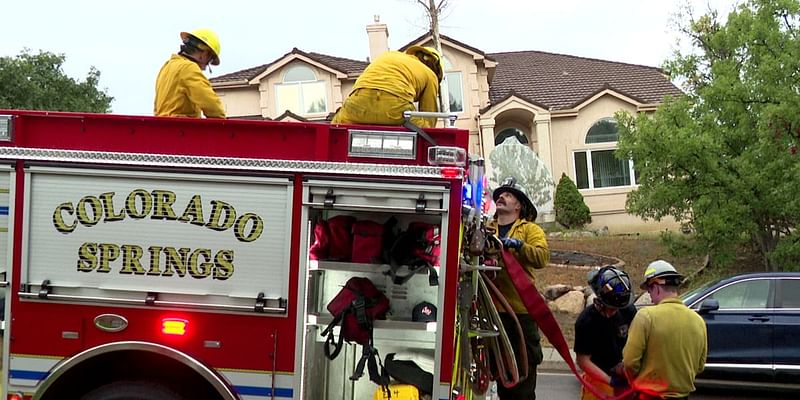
x=548, y=80
x=449, y=39
x=561, y=81
x=345, y=65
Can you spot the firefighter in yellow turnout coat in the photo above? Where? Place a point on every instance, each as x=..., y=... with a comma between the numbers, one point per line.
x=391, y=84
x=181, y=88
x=516, y=229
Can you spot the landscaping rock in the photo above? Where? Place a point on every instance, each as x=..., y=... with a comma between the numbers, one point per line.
x=643, y=300
x=553, y=292
x=572, y=302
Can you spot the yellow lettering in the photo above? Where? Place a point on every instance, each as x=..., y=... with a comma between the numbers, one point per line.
x=162, y=205
x=203, y=269
x=83, y=216
x=177, y=260
x=217, y=209
x=146, y=203
x=223, y=263
x=256, y=228
x=108, y=252
x=87, y=259
x=155, y=260
x=58, y=218
x=193, y=213
x=131, y=254
x=108, y=208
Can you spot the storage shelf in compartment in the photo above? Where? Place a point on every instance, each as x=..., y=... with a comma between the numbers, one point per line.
x=324, y=320
x=346, y=266
x=416, y=333
x=316, y=265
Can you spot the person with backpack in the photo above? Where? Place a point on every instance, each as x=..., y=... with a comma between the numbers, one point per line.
x=667, y=342
x=514, y=225
x=181, y=88
x=391, y=84
x=601, y=331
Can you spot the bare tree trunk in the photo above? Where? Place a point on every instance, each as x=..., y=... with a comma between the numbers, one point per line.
x=433, y=10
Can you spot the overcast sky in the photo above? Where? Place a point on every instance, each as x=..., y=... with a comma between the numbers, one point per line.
x=128, y=41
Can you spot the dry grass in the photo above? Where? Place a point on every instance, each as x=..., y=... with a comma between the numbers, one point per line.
x=636, y=252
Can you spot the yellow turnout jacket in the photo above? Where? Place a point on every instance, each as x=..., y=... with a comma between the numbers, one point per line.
x=534, y=254
x=388, y=86
x=183, y=91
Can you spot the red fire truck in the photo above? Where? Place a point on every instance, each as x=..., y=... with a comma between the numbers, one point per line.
x=168, y=258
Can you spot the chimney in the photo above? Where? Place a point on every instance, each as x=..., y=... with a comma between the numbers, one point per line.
x=378, y=35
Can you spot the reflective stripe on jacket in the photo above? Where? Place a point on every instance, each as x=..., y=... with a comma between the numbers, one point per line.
x=183, y=91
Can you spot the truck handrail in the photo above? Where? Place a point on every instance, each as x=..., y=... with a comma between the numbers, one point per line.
x=36, y=297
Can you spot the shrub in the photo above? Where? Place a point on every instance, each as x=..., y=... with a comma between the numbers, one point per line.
x=570, y=209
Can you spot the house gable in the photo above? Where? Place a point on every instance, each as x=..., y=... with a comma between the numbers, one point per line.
x=286, y=60
x=513, y=101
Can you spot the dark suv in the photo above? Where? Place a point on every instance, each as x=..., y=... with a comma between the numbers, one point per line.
x=753, y=325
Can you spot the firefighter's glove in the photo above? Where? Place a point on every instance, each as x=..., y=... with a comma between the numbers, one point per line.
x=511, y=243
x=617, y=381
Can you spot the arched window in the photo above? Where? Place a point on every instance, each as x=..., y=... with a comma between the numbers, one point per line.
x=510, y=132
x=603, y=131
x=299, y=73
x=455, y=87
x=301, y=92
x=600, y=168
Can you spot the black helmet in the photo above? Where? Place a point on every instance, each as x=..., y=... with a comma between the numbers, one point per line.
x=612, y=287
x=510, y=185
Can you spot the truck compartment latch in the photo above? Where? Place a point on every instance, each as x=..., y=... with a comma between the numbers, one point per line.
x=260, y=302
x=330, y=198
x=45, y=289
x=421, y=204
x=151, y=298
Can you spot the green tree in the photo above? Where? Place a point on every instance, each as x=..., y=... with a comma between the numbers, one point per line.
x=38, y=82
x=721, y=159
x=571, y=210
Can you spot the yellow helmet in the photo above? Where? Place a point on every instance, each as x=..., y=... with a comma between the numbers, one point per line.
x=430, y=57
x=209, y=38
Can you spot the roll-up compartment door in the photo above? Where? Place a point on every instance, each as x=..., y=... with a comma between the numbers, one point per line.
x=377, y=196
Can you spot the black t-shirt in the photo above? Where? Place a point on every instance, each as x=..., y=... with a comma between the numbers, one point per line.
x=502, y=230
x=603, y=338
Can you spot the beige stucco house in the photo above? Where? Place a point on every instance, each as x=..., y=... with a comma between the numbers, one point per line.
x=560, y=105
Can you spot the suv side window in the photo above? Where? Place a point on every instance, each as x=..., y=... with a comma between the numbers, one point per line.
x=747, y=294
x=789, y=294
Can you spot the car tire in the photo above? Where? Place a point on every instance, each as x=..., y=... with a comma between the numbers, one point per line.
x=133, y=390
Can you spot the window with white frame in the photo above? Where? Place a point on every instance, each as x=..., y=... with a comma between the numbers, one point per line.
x=454, y=86
x=301, y=92
x=600, y=168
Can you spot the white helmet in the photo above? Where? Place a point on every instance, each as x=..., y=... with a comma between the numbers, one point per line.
x=662, y=273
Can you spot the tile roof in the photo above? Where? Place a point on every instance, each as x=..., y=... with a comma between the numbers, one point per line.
x=548, y=80
x=421, y=39
x=559, y=81
x=345, y=65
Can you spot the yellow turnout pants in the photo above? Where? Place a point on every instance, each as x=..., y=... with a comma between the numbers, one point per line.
x=376, y=107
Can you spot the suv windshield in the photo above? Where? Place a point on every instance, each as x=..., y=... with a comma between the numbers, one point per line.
x=689, y=297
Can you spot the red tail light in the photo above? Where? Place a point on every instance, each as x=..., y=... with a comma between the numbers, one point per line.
x=452, y=172
x=174, y=326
